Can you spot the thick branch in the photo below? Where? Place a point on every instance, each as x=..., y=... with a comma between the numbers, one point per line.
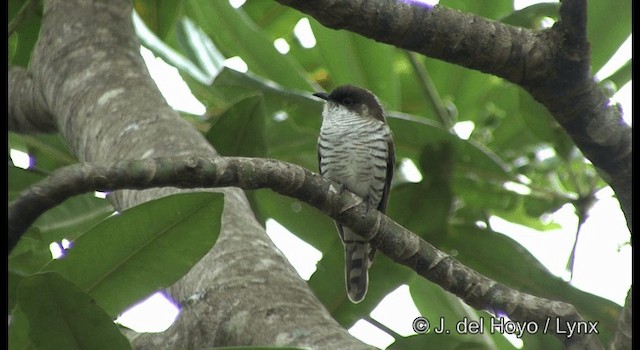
x=393, y=240
x=624, y=331
x=552, y=65
x=28, y=112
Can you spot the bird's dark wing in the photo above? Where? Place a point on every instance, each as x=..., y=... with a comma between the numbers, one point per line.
x=391, y=163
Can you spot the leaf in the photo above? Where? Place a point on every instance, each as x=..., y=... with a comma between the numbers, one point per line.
x=272, y=18
x=49, y=151
x=28, y=257
x=240, y=130
x=540, y=123
x=605, y=35
x=620, y=77
x=20, y=179
x=234, y=34
x=530, y=16
x=27, y=30
x=159, y=16
x=18, y=335
x=148, y=247
x=353, y=59
x=73, y=217
x=443, y=309
x=61, y=316
x=199, y=48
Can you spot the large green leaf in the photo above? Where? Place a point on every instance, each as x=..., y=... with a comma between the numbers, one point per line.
x=159, y=16
x=240, y=130
x=27, y=257
x=276, y=20
x=445, y=310
x=50, y=151
x=606, y=35
x=62, y=316
x=530, y=16
x=18, y=334
x=27, y=28
x=621, y=76
x=20, y=179
x=145, y=248
x=234, y=34
x=65, y=221
x=353, y=59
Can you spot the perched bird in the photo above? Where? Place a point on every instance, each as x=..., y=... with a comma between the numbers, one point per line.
x=355, y=149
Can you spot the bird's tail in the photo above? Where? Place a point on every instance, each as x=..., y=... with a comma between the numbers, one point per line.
x=358, y=257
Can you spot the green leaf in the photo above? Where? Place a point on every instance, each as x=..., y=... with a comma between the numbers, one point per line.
x=148, y=247
x=240, y=130
x=530, y=16
x=20, y=179
x=445, y=310
x=414, y=207
x=620, y=77
x=27, y=29
x=159, y=16
x=28, y=257
x=307, y=222
x=50, y=151
x=73, y=217
x=198, y=48
x=18, y=337
x=353, y=59
x=541, y=123
x=518, y=214
x=273, y=18
x=606, y=35
x=234, y=34
x=62, y=316
x=66, y=221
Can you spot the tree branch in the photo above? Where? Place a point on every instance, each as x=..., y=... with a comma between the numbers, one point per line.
x=553, y=65
x=28, y=112
x=399, y=244
x=624, y=331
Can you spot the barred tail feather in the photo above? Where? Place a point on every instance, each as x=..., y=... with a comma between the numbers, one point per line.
x=358, y=257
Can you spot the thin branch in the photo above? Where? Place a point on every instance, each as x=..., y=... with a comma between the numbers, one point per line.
x=396, y=242
x=430, y=91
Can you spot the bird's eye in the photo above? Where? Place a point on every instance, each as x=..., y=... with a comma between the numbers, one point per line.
x=347, y=101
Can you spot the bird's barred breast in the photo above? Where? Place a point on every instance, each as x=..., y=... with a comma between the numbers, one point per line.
x=355, y=155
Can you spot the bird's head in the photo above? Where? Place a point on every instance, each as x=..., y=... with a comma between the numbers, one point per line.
x=349, y=99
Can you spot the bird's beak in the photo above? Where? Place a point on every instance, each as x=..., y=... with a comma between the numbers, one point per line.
x=322, y=95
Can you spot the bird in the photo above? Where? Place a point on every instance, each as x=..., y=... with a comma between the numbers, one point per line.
x=356, y=150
